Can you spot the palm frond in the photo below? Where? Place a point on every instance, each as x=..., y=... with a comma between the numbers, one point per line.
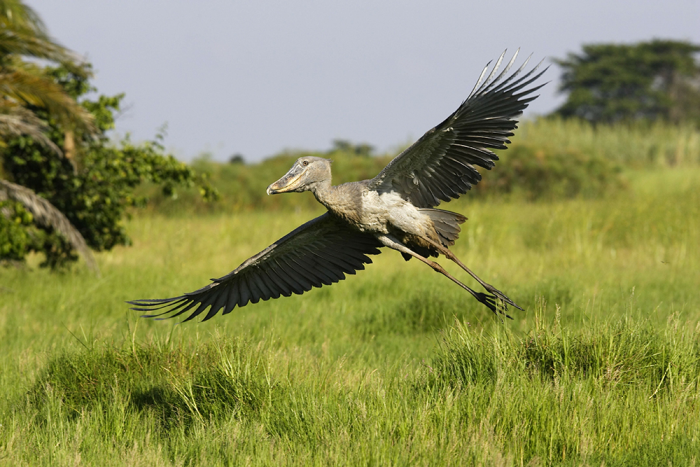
x=28, y=88
x=23, y=33
x=47, y=214
x=16, y=14
x=24, y=43
x=16, y=121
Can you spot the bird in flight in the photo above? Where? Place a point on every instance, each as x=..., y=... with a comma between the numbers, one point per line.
x=396, y=209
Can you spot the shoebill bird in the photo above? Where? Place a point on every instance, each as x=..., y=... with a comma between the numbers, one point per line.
x=396, y=209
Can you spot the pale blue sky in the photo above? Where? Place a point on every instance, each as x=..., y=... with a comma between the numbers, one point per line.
x=255, y=77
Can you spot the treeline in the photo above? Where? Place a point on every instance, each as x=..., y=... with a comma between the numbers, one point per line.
x=550, y=158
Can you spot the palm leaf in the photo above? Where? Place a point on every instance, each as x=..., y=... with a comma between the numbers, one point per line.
x=16, y=121
x=47, y=214
x=28, y=88
x=17, y=15
x=23, y=43
x=23, y=33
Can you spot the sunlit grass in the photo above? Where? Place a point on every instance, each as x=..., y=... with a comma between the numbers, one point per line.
x=640, y=144
x=395, y=365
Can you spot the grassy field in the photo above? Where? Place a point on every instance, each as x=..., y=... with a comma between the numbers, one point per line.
x=396, y=366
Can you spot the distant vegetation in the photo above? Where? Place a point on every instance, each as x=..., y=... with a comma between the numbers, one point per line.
x=658, y=80
x=550, y=158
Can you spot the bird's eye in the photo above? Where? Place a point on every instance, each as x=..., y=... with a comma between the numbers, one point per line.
x=305, y=163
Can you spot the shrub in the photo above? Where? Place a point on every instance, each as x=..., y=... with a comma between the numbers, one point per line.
x=534, y=172
x=525, y=170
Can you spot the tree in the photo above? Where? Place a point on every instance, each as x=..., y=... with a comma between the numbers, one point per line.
x=64, y=187
x=652, y=80
x=22, y=83
x=95, y=188
x=361, y=149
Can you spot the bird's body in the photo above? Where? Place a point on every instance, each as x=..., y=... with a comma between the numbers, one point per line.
x=372, y=211
x=396, y=209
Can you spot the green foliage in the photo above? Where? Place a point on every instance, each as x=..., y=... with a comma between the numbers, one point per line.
x=528, y=170
x=24, y=34
x=345, y=146
x=534, y=172
x=14, y=238
x=654, y=80
x=24, y=84
x=551, y=158
x=95, y=186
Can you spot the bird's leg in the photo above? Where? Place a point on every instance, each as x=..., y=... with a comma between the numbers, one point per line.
x=488, y=300
x=451, y=256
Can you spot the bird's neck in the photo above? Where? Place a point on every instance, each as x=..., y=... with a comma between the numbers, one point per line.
x=324, y=192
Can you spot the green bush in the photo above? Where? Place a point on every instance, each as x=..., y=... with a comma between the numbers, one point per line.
x=14, y=238
x=525, y=170
x=536, y=172
x=94, y=187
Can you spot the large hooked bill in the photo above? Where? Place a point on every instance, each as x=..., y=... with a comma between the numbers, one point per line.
x=289, y=182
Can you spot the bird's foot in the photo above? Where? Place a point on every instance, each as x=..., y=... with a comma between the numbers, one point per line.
x=493, y=303
x=501, y=296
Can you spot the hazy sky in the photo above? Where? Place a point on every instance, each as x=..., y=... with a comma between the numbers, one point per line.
x=254, y=77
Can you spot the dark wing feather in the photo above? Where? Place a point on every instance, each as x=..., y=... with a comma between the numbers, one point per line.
x=440, y=165
x=319, y=252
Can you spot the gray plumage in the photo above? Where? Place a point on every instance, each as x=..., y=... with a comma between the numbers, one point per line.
x=396, y=209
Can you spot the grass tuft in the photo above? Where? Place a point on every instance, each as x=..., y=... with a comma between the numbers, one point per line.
x=620, y=354
x=175, y=387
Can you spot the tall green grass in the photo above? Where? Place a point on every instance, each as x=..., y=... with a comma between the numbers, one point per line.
x=393, y=366
x=641, y=144
x=619, y=393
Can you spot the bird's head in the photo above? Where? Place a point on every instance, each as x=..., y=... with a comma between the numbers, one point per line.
x=303, y=176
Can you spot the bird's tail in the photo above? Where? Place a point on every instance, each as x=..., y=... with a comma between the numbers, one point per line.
x=446, y=224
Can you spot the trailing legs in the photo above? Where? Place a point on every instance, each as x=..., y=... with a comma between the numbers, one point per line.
x=451, y=256
x=486, y=299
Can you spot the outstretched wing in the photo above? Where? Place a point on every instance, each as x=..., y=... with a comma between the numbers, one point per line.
x=319, y=252
x=440, y=165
